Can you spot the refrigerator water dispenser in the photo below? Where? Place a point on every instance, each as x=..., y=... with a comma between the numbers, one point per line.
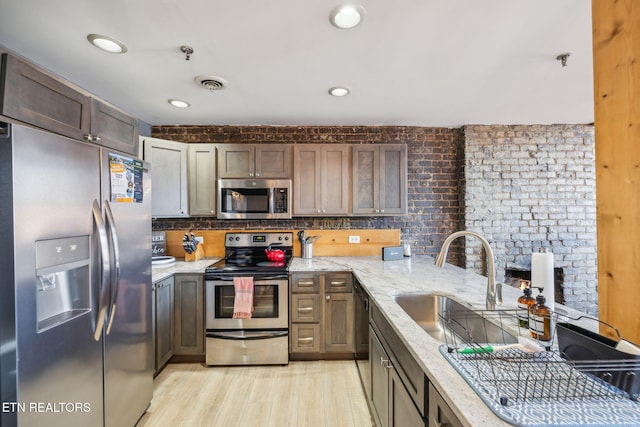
x=63, y=280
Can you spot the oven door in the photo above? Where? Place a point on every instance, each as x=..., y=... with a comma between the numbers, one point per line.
x=270, y=301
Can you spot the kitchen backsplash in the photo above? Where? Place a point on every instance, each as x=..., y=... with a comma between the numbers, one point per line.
x=506, y=163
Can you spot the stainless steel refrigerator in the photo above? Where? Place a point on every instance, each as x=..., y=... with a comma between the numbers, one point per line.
x=75, y=282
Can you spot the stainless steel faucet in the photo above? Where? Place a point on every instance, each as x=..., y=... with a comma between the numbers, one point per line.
x=494, y=291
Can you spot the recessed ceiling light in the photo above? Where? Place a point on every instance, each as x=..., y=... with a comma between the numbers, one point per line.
x=339, y=91
x=347, y=16
x=179, y=103
x=106, y=43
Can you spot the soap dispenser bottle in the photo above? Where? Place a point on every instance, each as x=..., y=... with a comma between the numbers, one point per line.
x=540, y=319
x=524, y=304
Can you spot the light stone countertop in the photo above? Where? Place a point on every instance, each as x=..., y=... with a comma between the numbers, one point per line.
x=162, y=271
x=383, y=279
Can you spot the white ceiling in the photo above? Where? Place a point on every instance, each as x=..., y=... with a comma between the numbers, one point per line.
x=411, y=62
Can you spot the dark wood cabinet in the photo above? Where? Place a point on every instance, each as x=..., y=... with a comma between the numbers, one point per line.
x=163, y=321
x=188, y=338
x=322, y=179
x=322, y=315
x=380, y=179
x=37, y=98
x=399, y=388
x=113, y=128
x=254, y=161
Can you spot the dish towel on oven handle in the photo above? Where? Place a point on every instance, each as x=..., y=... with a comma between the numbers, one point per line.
x=243, y=301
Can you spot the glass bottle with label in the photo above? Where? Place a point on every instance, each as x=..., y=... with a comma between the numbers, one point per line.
x=524, y=304
x=540, y=319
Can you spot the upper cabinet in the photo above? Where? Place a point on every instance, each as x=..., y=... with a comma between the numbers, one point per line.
x=254, y=161
x=202, y=179
x=169, y=187
x=113, y=128
x=379, y=179
x=322, y=179
x=32, y=96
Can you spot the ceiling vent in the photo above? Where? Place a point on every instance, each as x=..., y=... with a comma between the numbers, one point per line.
x=211, y=82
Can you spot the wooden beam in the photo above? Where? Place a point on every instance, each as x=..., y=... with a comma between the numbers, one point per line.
x=616, y=57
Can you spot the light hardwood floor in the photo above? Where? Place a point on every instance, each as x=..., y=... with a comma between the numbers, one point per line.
x=302, y=394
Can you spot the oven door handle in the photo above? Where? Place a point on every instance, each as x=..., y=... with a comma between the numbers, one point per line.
x=247, y=335
x=255, y=278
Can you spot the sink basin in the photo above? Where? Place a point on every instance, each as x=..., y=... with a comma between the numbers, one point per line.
x=434, y=312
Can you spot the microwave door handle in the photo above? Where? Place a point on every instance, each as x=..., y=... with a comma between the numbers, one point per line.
x=272, y=200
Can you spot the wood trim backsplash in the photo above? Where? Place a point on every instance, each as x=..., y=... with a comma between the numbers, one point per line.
x=330, y=242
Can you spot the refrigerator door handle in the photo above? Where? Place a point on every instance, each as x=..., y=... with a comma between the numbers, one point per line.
x=105, y=270
x=115, y=276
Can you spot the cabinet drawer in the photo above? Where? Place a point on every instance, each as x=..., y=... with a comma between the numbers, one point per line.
x=305, y=338
x=338, y=282
x=305, y=308
x=309, y=283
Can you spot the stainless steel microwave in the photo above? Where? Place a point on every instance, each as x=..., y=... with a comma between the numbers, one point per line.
x=254, y=198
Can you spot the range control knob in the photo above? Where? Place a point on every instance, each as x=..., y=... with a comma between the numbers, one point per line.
x=237, y=238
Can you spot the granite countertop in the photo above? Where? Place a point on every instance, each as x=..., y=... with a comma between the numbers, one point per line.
x=383, y=279
x=162, y=271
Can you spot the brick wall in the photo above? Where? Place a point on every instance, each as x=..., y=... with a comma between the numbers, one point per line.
x=434, y=159
x=529, y=187
x=523, y=187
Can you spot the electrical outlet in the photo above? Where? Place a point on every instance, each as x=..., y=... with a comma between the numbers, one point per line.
x=354, y=239
x=200, y=239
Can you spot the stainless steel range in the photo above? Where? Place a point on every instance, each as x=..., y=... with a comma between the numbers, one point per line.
x=262, y=336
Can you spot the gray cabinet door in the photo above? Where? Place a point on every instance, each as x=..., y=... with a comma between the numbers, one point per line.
x=402, y=411
x=254, y=161
x=32, y=96
x=338, y=322
x=336, y=179
x=189, y=315
x=440, y=414
x=236, y=161
x=307, y=180
x=273, y=161
x=393, y=179
x=379, y=362
x=169, y=177
x=322, y=180
x=113, y=128
x=164, y=321
x=202, y=179
x=380, y=179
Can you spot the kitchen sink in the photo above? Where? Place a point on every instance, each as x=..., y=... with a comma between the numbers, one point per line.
x=436, y=313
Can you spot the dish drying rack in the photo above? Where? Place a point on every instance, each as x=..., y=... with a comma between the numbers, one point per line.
x=511, y=376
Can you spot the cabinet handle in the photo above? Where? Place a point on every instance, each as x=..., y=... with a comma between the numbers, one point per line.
x=385, y=362
x=341, y=283
x=92, y=138
x=257, y=174
x=327, y=297
x=305, y=339
x=382, y=210
x=305, y=283
x=251, y=174
x=304, y=309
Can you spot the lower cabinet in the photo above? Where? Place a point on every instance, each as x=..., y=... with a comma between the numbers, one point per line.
x=188, y=337
x=399, y=394
x=391, y=403
x=163, y=322
x=440, y=414
x=322, y=315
